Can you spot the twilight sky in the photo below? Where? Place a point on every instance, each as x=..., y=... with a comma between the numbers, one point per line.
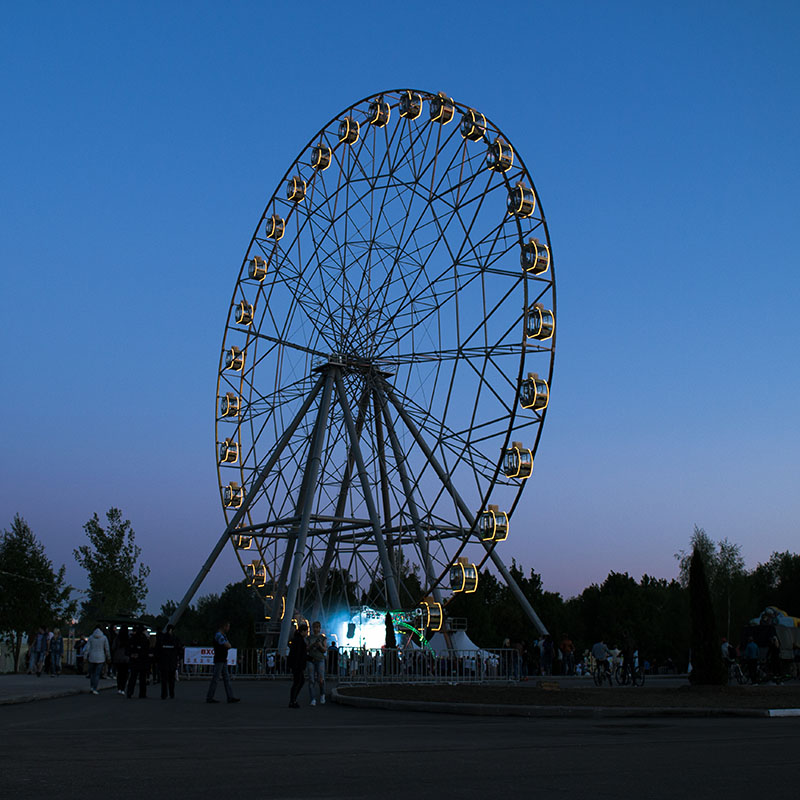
x=140, y=143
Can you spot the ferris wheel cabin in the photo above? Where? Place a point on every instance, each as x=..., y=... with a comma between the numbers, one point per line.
x=349, y=131
x=296, y=189
x=500, y=156
x=234, y=359
x=244, y=313
x=321, y=157
x=535, y=392
x=518, y=462
x=229, y=405
x=379, y=113
x=228, y=452
x=257, y=269
x=431, y=614
x=473, y=125
x=535, y=257
x=463, y=576
x=232, y=495
x=540, y=323
x=410, y=105
x=493, y=525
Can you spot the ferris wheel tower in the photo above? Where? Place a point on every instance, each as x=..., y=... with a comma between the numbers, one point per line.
x=386, y=365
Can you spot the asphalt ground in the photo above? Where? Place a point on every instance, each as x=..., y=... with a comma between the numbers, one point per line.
x=83, y=745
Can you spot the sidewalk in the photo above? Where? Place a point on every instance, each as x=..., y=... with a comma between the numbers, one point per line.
x=558, y=701
x=22, y=688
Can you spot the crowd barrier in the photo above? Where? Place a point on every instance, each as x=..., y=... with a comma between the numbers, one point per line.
x=381, y=665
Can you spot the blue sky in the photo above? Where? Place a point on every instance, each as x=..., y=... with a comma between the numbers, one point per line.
x=140, y=143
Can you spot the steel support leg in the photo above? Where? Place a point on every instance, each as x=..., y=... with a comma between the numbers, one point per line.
x=330, y=550
x=465, y=510
x=400, y=461
x=251, y=494
x=310, y=480
x=388, y=572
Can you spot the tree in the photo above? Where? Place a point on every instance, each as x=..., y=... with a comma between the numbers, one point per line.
x=707, y=667
x=31, y=592
x=116, y=585
x=724, y=567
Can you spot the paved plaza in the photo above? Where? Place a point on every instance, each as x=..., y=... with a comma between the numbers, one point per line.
x=82, y=745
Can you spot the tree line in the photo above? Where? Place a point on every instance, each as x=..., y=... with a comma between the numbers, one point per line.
x=653, y=611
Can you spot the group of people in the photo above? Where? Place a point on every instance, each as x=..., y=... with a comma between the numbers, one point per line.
x=307, y=654
x=45, y=651
x=133, y=657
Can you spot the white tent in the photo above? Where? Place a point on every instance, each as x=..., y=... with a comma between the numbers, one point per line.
x=459, y=639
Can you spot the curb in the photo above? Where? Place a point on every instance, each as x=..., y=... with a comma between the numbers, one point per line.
x=16, y=699
x=561, y=712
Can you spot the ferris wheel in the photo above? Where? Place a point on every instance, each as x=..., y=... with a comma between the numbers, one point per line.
x=386, y=364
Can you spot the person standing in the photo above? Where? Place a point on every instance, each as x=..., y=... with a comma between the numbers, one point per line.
x=138, y=661
x=97, y=653
x=120, y=658
x=316, y=646
x=221, y=647
x=56, y=652
x=751, y=659
x=298, y=656
x=167, y=651
x=39, y=651
x=567, y=654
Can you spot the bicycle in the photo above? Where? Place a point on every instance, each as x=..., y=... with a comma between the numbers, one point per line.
x=602, y=672
x=735, y=673
x=624, y=674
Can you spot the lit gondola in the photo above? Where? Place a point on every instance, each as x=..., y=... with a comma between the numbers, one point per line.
x=442, y=108
x=242, y=541
x=321, y=157
x=232, y=495
x=275, y=227
x=521, y=201
x=234, y=359
x=296, y=189
x=535, y=257
x=518, y=462
x=269, y=607
x=228, y=452
x=500, y=156
x=257, y=268
x=540, y=323
x=230, y=405
x=349, y=131
x=244, y=313
x=432, y=615
x=535, y=393
x=256, y=573
x=463, y=576
x=473, y=125
x=493, y=526
x=379, y=113
x=410, y=105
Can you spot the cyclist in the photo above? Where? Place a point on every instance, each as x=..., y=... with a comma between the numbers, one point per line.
x=601, y=654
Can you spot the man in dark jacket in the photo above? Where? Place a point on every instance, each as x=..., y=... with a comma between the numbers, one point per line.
x=221, y=647
x=139, y=661
x=298, y=657
x=168, y=650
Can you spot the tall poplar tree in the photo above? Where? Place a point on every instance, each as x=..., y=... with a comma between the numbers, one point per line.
x=117, y=579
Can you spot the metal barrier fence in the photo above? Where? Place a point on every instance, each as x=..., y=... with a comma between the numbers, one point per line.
x=379, y=665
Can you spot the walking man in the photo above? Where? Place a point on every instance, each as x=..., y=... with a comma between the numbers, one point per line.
x=97, y=653
x=298, y=656
x=221, y=647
